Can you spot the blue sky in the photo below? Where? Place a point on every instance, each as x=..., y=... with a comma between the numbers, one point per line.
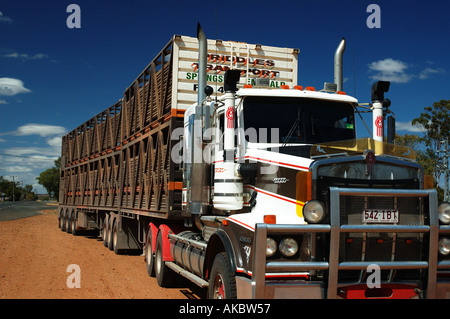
x=53, y=78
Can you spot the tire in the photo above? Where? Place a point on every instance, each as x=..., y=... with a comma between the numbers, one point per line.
x=222, y=283
x=164, y=275
x=149, y=257
x=62, y=222
x=115, y=238
x=105, y=230
x=68, y=223
x=112, y=221
x=73, y=223
x=60, y=218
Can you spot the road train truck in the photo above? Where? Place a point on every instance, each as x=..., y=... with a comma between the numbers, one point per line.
x=218, y=167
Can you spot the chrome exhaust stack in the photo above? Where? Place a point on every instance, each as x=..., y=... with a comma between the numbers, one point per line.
x=338, y=65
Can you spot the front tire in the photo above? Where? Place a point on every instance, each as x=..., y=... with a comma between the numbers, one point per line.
x=222, y=284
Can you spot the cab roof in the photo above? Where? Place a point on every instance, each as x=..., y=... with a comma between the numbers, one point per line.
x=296, y=93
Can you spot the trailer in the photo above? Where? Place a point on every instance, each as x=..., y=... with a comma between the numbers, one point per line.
x=220, y=168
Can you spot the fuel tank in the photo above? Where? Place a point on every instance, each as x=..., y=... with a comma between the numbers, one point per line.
x=188, y=251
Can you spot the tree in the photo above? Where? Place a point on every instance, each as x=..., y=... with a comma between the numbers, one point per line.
x=436, y=122
x=422, y=156
x=10, y=188
x=50, y=179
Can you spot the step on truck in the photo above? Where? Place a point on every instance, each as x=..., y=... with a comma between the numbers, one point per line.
x=218, y=167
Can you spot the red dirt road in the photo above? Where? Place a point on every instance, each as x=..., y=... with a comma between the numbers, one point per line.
x=35, y=254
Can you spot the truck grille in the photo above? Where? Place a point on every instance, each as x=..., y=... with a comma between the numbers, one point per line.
x=374, y=246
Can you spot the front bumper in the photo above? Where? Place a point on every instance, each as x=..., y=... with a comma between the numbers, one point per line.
x=433, y=286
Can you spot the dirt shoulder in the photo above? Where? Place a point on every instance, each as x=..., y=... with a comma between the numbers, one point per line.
x=35, y=255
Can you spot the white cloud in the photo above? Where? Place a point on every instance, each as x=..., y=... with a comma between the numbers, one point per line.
x=14, y=169
x=407, y=126
x=429, y=71
x=25, y=56
x=3, y=102
x=28, y=166
x=397, y=71
x=39, y=152
x=390, y=70
x=5, y=19
x=10, y=87
x=55, y=142
x=40, y=129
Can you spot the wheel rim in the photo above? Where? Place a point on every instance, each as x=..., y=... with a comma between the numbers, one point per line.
x=115, y=236
x=158, y=261
x=74, y=226
x=149, y=253
x=219, y=289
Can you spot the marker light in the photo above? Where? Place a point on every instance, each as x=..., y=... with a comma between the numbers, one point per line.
x=270, y=219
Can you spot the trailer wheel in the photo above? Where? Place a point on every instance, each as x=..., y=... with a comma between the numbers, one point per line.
x=105, y=230
x=115, y=238
x=62, y=221
x=222, y=284
x=164, y=275
x=67, y=218
x=61, y=211
x=112, y=221
x=149, y=257
x=73, y=222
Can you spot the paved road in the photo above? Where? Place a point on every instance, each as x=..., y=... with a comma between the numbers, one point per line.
x=16, y=210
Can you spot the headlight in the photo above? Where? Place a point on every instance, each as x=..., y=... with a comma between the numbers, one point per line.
x=444, y=246
x=444, y=212
x=313, y=211
x=288, y=247
x=271, y=247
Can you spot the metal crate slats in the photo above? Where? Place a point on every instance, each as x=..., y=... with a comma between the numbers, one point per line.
x=120, y=158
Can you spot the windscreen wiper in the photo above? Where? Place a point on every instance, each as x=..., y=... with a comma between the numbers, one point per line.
x=291, y=131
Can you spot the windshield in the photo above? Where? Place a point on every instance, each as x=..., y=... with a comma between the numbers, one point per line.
x=300, y=120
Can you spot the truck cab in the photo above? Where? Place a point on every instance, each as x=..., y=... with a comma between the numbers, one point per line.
x=329, y=215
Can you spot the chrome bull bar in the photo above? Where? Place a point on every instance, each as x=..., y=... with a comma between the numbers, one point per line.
x=333, y=265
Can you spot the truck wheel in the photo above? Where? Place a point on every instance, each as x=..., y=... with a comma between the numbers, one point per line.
x=67, y=218
x=73, y=222
x=149, y=257
x=164, y=275
x=62, y=222
x=105, y=230
x=112, y=221
x=222, y=283
x=115, y=238
x=60, y=218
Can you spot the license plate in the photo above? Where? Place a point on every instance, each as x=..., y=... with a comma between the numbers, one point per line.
x=388, y=216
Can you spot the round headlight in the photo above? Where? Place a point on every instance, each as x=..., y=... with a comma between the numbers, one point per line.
x=444, y=246
x=288, y=247
x=271, y=247
x=313, y=211
x=444, y=212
